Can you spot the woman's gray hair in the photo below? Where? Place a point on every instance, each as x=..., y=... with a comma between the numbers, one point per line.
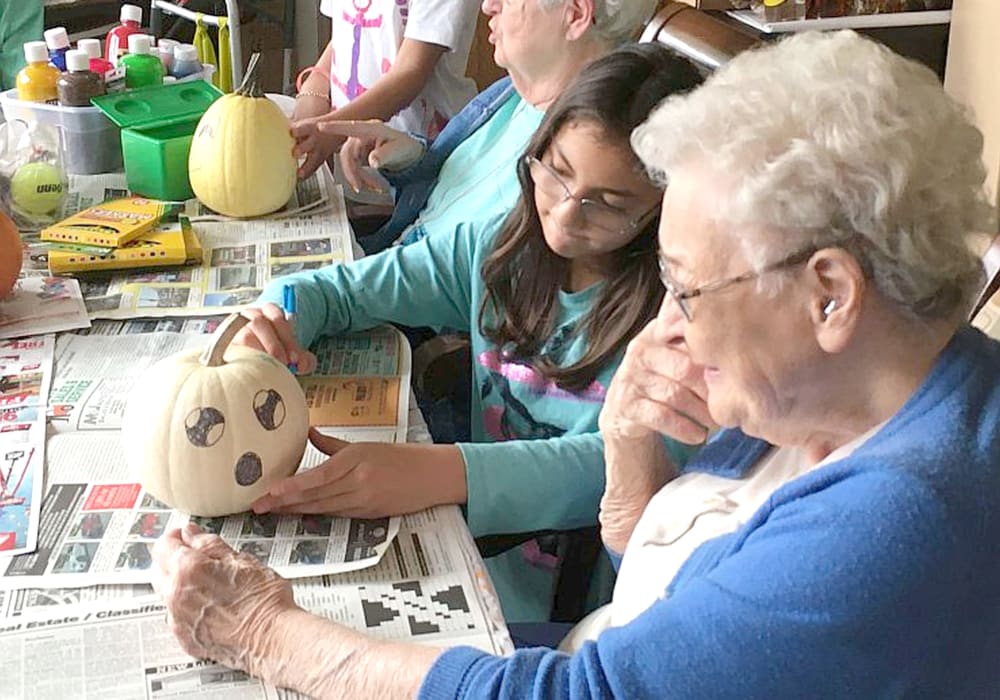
x=832, y=139
x=615, y=21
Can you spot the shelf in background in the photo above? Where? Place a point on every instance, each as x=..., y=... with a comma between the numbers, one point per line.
x=879, y=21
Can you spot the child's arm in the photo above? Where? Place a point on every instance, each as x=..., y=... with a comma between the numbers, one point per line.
x=313, y=98
x=392, y=92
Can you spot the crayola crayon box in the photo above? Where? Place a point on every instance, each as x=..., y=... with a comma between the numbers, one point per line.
x=110, y=224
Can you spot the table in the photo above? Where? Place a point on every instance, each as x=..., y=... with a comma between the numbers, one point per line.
x=379, y=601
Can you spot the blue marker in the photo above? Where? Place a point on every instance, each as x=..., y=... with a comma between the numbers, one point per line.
x=288, y=304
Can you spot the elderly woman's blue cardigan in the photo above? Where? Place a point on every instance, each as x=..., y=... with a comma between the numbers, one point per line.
x=875, y=576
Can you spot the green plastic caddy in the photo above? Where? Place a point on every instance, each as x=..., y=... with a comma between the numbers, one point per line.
x=157, y=125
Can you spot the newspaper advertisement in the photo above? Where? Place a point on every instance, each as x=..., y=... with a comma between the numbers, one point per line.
x=83, y=191
x=422, y=591
x=311, y=196
x=361, y=385
x=25, y=381
x=40, y=305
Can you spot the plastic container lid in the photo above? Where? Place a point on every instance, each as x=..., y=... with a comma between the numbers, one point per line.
x=158, y=105
x=92, y=47
x=139, y=43
x=185, y=52
x=36, y=52
x=56, y=38
x=77, y=61
x=131, y=13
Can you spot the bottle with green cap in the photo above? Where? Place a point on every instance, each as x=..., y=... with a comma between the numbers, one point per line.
x=37, y=81
x=142, y=68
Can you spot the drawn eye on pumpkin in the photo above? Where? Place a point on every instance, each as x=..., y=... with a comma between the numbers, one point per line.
x=269, y=408
x=204, y=426
x=249, y=469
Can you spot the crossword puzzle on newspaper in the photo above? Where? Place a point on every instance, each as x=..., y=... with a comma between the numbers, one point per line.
x=406, y=609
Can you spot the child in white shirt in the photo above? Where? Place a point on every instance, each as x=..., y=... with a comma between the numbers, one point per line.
x=401, y=61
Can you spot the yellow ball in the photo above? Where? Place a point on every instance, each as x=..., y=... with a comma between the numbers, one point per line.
x=37, y=188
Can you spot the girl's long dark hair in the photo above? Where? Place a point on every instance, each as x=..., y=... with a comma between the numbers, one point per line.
x=522, y=275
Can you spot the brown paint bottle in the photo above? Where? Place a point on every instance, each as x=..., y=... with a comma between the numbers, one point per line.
x=78, y=84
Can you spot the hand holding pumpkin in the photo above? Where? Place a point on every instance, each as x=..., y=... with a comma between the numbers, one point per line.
x=370, y=480
x=374, y=144
x=220, y=605
x=317, y=146
x=271, y=332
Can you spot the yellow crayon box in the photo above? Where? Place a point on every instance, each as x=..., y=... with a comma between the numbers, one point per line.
x=110, y=224
x=165, y=246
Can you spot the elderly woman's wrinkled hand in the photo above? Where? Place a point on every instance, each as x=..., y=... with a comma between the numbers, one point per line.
x=657, y=389
x=220, y=605
x=373, y=144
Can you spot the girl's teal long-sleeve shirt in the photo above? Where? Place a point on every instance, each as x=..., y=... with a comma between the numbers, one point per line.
x=536, y=459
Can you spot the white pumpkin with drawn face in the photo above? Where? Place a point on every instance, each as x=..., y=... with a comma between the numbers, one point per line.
x=208, y=432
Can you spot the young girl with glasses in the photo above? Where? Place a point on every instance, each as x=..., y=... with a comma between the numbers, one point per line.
x=551, y=294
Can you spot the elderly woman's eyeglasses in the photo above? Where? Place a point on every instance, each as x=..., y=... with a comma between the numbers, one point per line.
x=593, y=213
x=681, y=296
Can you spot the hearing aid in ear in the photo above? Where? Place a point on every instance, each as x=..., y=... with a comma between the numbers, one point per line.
x=830, y=306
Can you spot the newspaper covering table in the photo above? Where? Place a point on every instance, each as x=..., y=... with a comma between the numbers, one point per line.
x=429, y=587
x=239, y=256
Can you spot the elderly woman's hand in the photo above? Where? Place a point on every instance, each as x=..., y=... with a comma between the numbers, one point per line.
x=372, y=143
x=657, y=389
x=221, y=605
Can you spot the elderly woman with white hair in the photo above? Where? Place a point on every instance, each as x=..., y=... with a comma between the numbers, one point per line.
x=839, y=536
x=469, y=171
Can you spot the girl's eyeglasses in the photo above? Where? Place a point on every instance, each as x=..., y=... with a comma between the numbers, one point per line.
x=593, y=213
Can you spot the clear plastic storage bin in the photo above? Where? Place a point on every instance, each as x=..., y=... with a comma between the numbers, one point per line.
x=90, y=141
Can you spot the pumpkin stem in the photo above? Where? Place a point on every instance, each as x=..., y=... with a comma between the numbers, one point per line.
x=249, y=87
x=223, y=336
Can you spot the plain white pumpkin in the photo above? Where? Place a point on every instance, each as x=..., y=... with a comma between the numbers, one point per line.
x=207, y=432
